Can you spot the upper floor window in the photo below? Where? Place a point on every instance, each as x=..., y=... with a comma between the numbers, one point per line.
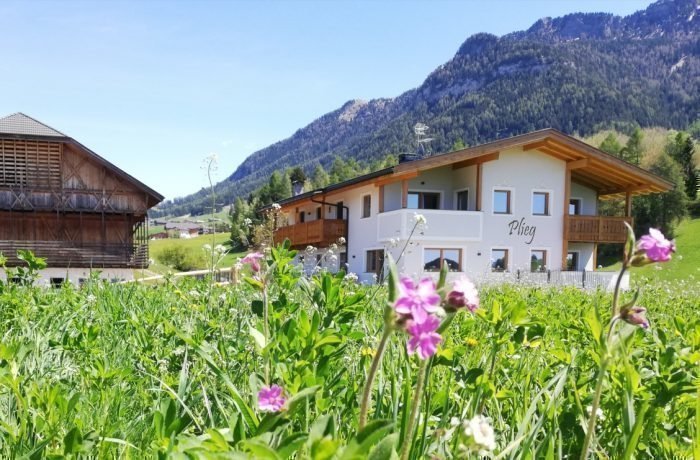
x=463, y=200
x=574, y=206
x=540, y=203
x=318, y=213
x=423, y=200
x=302, y=217
x=501, y=202
x=366, y=206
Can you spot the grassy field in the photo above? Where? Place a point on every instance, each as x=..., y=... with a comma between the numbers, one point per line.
x=172, y=371
x=684, y=266
x=194, y=245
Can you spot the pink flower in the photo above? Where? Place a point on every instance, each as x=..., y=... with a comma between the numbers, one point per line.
x=253, y=259
x=270, y=399
x=463, y=294
x=636, y=316
x=656, y=247
x=417, y=300
x=424, y=339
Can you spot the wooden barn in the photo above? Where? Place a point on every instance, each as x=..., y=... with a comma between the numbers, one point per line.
x=67, y=204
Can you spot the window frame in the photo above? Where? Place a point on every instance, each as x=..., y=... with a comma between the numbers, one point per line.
x=547, y=203
x=460, y=251
x=377, y=251
x=366, y=206
x=509, y=201
x=456, y=198
x=421, y=200
x=577, y=258
x=507, y=261
x=580, y=206
x=545, y=254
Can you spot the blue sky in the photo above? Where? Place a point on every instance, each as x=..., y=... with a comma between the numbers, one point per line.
x=156, y=86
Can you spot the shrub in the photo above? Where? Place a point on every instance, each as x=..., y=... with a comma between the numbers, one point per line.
x=181, y=258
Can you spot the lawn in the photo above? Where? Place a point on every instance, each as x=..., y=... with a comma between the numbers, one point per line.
x=175, y=370
x=192, y=245
x=684, y=266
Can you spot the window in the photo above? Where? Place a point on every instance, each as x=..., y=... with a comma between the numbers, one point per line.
x=499, y=260
x=318, y=213
x=574, y=206
x=501, y=202
x=343, y=261
x=463, y=200
x=56, y=282
x=538, y=260
x=375, y=261
x=366, y=206
x=302, y=217
x=423, y=200
x=572, y=261
x=339, y=210
x=433, y=259
x=540, y=203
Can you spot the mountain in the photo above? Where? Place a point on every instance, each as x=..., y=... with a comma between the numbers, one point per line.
x=577, y=73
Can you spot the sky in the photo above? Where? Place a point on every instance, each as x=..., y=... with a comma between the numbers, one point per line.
x=157, y=86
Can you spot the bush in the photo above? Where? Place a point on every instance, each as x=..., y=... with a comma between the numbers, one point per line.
x=182, y=259
x=694, y=208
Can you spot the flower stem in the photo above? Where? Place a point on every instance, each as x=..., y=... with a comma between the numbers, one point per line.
x=266, y=332
x=367, y=391
x=594, y=408
x=415, y=406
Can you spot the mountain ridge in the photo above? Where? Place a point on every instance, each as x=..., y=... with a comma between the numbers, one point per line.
x=575, y=73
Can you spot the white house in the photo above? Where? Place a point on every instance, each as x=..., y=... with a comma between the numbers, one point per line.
x=518, y=208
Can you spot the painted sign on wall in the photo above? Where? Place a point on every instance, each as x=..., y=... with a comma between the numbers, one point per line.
x=520, y=228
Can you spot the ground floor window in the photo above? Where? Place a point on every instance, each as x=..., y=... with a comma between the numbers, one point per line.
x=343, y=261
x=538, y=260
x=433, y=259
x=499, y=260
x=375, y=261
x=572, y=261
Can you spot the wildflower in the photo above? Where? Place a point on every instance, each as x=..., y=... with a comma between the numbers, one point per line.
x=351, y=277
x=419, y=219
x=423, y=339
x=417, y=300
x=310, y=249
x=253, y=259
x=341, y=241
x=463, y=294
x=270, y=399
x=635, y=315
x=598, y=413
x=220, y=248
x=393, y=242
x=480, y=434
x=471, y=342
x=90, y=298
x=655, y=246
x=247, y=222
x=276, y=207
x=367, y=351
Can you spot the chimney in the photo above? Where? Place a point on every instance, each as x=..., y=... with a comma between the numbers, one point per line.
x=406, y=157
x=297, y=188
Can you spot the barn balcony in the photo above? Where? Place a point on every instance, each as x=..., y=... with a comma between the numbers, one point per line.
x=596, y=229
x=319, y=233
x=87, y=255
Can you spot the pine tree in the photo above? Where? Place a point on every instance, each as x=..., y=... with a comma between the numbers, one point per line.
x=682, y=149
x=320, y=177
x=611, y=145
x=632, y=152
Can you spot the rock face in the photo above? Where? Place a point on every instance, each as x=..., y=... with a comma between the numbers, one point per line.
x=576, y=73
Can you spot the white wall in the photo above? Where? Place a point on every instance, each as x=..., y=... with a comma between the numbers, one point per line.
x=585, y=255
x=75, y=275
x=588, y=197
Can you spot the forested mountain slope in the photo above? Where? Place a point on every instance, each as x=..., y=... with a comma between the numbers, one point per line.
x=578, y=73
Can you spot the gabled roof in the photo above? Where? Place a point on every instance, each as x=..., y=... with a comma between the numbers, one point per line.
x=589, y=166
x=21, y=126
x=24, y=125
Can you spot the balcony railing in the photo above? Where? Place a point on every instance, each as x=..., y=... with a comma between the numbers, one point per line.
x=442, y=225
x=597, y=229
x=322, y=232
x=87, y=255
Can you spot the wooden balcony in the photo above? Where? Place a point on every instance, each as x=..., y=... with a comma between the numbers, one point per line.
x=318, y=233
x=597, y=229
x=69, y=254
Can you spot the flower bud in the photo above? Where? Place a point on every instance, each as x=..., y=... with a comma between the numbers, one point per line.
x=635, y=315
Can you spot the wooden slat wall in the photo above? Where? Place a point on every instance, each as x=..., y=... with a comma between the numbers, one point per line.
x=25, y=163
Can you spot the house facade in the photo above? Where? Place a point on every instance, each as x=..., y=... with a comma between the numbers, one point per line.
x=68, y=205
x=526, y=206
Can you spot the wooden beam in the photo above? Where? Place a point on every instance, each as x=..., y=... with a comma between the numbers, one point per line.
x=475, y=161
x=628, y=204
x=479, y=174
x=395, y=178
x=565, y=236
x=404, y=193
x=582, y=163
x=535, y=145
x=595, y=256
x=381, y=198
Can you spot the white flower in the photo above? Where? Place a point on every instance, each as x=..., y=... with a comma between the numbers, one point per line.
x=351, y=277
x=393, y=242
x=333, y=247
x=194, y=293
x=220, y=248
x=238, y=266
x=419, y=219
x=222, y=297
x=480, y=432
x=310, y=249
x=90, y=298
x=207, y=247
x=341, y=241
x=276, y=207
x=247, y=222
x=598, y=412
x=333, y=258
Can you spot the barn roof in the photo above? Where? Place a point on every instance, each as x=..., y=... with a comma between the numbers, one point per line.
x=22, y=126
